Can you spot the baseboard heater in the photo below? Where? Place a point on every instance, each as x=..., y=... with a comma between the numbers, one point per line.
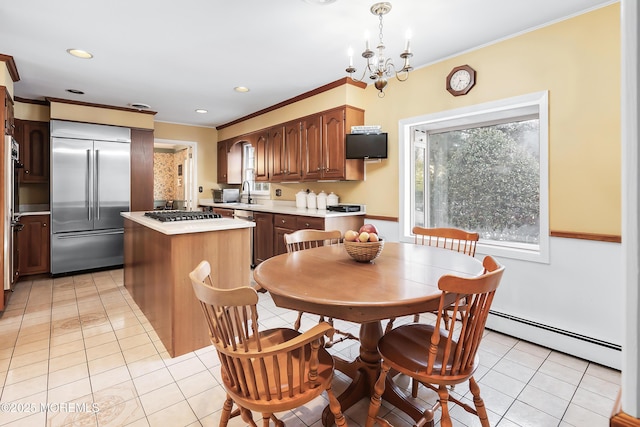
x=595, y=350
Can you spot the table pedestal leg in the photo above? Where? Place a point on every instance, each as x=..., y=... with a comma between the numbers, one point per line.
x=364, y=372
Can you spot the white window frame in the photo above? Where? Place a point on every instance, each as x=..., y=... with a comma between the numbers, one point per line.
x=538, y=103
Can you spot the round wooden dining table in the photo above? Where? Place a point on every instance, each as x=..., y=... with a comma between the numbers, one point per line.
x=402, y=281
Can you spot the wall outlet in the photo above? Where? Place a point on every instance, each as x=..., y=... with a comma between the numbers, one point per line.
x=278, y=192
x=200, y=189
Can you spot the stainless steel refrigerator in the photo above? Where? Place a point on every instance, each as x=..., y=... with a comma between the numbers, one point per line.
x=90, y=186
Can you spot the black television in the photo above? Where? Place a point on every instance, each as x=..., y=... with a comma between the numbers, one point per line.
x=366, y=146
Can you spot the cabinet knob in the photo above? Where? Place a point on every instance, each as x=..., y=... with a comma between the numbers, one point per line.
x=26, y=171
x=283, y=221
x=44, y=224
x=306, y=224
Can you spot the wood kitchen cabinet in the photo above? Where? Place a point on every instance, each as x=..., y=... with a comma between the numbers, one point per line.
x=262, y=237
x=260, y=142
x=34, y=142
x=141, y=187
x=324, y=150
x=34, y=245
x=230, y=161
x=224, y=212
x=285, y=224
x=285, y=143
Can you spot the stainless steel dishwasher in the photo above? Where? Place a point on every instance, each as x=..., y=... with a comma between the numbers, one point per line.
x=247, y=216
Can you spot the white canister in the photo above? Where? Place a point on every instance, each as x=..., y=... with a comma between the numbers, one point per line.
x=301, y=199
x=322, y=200
x=332, y=199
x=311, y=200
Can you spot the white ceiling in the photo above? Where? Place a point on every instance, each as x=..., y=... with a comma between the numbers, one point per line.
x=177, y=56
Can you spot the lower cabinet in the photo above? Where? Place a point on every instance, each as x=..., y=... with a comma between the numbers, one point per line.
x=262, y=237
x=224, y=212
x=34, y=245
x=284, y=224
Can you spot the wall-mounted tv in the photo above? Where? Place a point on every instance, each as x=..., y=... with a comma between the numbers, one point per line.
x=366, y=146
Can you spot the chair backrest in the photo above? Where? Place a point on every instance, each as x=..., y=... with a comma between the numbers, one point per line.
x=307, y=239
x=471, y=298
x=202, y=273
x=255, y=366
x=448, y=238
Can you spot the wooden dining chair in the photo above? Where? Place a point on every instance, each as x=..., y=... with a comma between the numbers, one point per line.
x=438, y=357
x=308, y=239
x=265, y=371
x=447, y=238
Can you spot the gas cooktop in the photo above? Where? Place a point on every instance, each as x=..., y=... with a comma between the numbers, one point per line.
x=169, y=216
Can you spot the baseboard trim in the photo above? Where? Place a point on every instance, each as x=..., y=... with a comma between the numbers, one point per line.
x=601, y=352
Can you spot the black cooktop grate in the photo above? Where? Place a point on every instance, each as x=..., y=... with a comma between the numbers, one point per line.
x=170, y=216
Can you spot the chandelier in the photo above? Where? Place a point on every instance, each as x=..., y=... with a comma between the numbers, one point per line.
x=379, y=68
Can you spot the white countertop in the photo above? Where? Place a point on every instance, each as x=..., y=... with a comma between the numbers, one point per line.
x=288, y=208
x=186, y=227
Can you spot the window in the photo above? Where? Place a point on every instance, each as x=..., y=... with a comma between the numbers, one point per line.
x=248, y=172
x=482, y=168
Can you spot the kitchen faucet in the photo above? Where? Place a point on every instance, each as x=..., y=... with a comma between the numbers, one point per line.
x=248, y=190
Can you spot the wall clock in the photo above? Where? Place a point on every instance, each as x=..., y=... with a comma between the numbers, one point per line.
x=460, y=80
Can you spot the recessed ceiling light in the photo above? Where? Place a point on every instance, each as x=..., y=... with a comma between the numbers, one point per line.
x=75, y=91
x=139, y=106
x=241, y=89
x=79, y=53
x=201, y=111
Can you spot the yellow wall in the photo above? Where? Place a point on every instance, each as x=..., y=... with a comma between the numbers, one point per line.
x=206, y=138
x=578, y=62
x=35, y=112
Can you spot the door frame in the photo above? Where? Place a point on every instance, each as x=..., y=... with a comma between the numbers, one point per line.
x=194, y=170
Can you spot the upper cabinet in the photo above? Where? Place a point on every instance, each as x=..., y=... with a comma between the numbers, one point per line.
x=325, y=135
x=33, y=140
x=308, y=149
x=230, y=162
x=261, y=143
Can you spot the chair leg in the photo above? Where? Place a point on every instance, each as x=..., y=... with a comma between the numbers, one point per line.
x=266, y=418
x=226, y=412
x=247, y=417
x=296, y=324
x=478, y=402
x=443, y=393
x=334, y=407
x=277, y=421
x=414, y=387
x=376, y=399
x=389, y=325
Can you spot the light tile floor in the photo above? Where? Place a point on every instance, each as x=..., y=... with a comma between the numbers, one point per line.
x=77, y=350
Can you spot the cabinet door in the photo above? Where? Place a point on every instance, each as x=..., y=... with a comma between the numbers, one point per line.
x=225, y=213
x=312, y=164
x=222, y=162
x=33, y=242
x=261, y=144
x=333, y=144
x=141, y=185
x=263, y=237
x=234, y=162
x=309, y=223
x=33, y=139
x=277, y=147
x=279, y=246
x=293, y=133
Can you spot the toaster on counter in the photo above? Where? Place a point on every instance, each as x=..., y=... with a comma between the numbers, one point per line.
x=226, y=195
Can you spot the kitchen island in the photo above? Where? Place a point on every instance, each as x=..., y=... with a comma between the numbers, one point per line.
x=158, y=257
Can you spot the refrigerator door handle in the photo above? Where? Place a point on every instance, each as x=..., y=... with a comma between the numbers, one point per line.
x=75, y=235
x=96, y=183
x=88, y=185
